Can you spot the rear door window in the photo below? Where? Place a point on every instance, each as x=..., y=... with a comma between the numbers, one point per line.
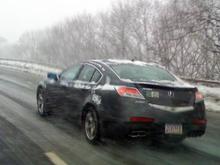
x=86, y=73
x=96, y=76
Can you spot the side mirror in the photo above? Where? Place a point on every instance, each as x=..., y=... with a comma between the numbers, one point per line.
x=52, y=76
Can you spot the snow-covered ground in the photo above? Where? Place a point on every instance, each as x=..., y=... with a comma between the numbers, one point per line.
x=29, y=67
x=212, y=95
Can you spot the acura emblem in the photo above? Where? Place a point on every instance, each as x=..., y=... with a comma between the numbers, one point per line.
x=171, y=94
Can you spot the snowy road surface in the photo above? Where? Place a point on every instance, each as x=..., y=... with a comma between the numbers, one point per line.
x=25, y=138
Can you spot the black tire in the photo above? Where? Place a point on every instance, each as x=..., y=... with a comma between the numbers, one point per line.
x=42, y=107
x=91, y=126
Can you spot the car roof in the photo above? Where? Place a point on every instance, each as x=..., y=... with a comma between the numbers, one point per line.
x=110, y=62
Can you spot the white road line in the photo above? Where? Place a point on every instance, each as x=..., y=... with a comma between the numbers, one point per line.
x=55, y=158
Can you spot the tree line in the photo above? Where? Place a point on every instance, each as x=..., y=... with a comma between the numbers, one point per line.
x=182, y=35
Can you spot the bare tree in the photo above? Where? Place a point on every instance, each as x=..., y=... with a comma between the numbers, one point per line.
x=184, y=36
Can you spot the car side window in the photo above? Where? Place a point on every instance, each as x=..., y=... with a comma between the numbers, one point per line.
x=71, y=73
x=86, y=73
x=96, y=76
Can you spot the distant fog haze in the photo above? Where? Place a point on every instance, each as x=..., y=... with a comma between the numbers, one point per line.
x=183, y=36
x=19, y=16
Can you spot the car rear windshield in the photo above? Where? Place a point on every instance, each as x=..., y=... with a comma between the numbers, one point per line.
x=142, y=72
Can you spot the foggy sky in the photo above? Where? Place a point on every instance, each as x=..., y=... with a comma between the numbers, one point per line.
x=18, y=16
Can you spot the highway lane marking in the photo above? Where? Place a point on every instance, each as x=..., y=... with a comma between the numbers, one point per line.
x=55, y=158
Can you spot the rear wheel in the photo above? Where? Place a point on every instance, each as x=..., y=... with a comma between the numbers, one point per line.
x=91, y=127
x=41, y=103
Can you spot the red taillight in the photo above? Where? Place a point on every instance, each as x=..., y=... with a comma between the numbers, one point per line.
x=199, y=121
x=199, y=96
x=141, y=119
x=129, y=92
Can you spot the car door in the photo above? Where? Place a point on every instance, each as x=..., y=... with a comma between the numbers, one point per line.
x=53, y=93
x=85, y=82
x=65, y=86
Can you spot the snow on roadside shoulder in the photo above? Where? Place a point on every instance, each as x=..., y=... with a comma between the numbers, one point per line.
x=28, y=67
x=212, y=106
x=210, y=91
x=212, y=97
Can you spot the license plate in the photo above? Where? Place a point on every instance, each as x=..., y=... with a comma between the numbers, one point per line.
x=153, y=94
x=173, y=129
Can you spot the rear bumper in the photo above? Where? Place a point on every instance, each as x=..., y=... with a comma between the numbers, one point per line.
x=116, y=119
x=128, y=129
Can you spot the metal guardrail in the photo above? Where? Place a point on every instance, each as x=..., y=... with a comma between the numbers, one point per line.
x=31, y=67
x=31, y=62
x=202, y=81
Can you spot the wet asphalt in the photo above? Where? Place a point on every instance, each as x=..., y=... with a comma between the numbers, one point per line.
x=26, y=138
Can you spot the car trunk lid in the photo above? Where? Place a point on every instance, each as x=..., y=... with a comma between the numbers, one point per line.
x=166, y=94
